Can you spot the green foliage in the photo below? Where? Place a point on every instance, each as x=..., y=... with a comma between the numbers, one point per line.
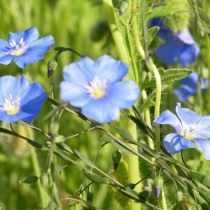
x=78, y=164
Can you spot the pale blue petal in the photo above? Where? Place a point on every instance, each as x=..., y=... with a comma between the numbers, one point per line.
x=10, y=85
x=35, y=51
x=4, y=46
x=5, y=58
x=174, y=143
x=168, y=118
x=204, y=146
x=187, y=116
x=14, y=118
x=124, y=94
x=74, y=94
x=30, y=35
x=203, y=128
x=101, y=110
x=79, y=73
x=185, y=36
x=27, y=35
x=110, y=69
x=31, y=98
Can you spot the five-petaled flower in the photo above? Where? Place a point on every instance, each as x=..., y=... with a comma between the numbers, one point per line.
x=191, y=128
x=24, y=47
x=189, y=86
x=19, y=100
x=97, y=88
x=178, y=46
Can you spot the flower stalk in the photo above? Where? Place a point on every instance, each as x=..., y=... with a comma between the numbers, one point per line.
x=132, y=160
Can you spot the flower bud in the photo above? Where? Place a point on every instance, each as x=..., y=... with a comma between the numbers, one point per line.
x=51, y=66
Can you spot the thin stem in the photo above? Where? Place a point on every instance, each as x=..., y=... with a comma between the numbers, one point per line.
x=118, y=39
x=163, y=200
x=136, y=30
x=147, y=118
x=43, y=196
x=151, y=66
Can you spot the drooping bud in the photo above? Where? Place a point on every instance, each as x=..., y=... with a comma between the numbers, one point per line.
x=51, y=66
x=158, y=186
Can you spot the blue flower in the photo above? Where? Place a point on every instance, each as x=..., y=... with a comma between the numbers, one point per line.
x=191, y=130
x=97, y=88
x=179, y=46
x=24, y=47
x=189, y=86
x=19, y=100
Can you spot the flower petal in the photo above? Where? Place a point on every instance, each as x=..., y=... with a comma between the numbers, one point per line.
x=33, y=106
x=79, y=73
x=174, y=143
x=169, y=118
x=14, y=86
x=28, y=35
x=31, y=98
x=33, y=92
x=124, y=94
x=183, y=93
x=110, y=69
x=188, y=54
x=73, y=94
x=20, y=116
x=101, y=110
x=191, y=81
x=185, y=37
x=204, y=146
x=169, y=52
x=5, y=57
x=164, y=32
x=187, y=116
x=203, y=128
x=35, y=51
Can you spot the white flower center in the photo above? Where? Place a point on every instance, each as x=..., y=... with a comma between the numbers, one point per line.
x=17, y=49
x=97, y=87
x=189, y=133
x=11, y=105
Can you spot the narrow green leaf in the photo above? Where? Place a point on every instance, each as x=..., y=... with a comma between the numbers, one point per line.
x=95, y=177
x=168, y=76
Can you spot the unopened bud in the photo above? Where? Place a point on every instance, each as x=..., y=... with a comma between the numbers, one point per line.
x=158, y=186
x=52, y=65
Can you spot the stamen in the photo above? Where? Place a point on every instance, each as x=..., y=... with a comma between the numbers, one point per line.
x=97, y=88
x=11, y=105
x=17, y=49
x=189, y=133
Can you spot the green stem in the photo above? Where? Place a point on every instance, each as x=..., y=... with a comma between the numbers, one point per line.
x=163, y=200
x=133, y=167
x=136, y=30
x=147, y=118
x=42, y=193
x=117, y=37
x=151, y=66
x=132, y=160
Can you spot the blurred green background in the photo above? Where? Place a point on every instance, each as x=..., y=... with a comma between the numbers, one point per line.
x=73, y=23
